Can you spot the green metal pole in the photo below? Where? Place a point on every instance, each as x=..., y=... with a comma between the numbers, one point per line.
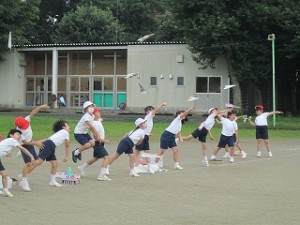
x=273, y=79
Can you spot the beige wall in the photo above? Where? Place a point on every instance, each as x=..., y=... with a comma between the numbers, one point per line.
x=156, y=60
x=12, y=80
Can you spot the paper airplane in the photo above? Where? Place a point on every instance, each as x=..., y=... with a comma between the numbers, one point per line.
x=131, y=75
x=192, y=98
x=142, y=89
x=142, y=39
x=229, y=86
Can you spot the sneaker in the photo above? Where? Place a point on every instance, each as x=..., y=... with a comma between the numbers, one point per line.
x=231, y=160
x=79, y=156
x=150, y=168
x=226, y=156
x=54, y=184
x=205, y=163
x=1, y=192
x=7, y=194
x=74, y=157
x=244, y=155
x=178, y=167
x=82, y=173
x=103, y=178
x=133, y=174
x=215, y=160
x=258, y=154
x=270, y=155
x=24, y=185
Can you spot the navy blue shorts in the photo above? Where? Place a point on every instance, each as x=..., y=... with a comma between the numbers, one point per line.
x=167, y=140
x=48, y=153
x=83, y=138
x=144, y=145
x=226, y=140
x=262, y=132
x=125, y=146
x=1, y=166
x=99, y=150
x=200, y=134
x=31, y=149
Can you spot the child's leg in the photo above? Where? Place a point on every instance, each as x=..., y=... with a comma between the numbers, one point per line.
x=35, y=164
x=4, y=175
x=204, y=151
x=105, y=162
x=175, y=151
x=267, y=144
x=259, y=142
x=86, y=146
x=131, y=160
x=187, y=138
x=215, y=152
x=160, y=153
x=54, y=165
x=114, y=158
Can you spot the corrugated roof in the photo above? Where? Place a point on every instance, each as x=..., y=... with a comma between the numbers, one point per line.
x=98, y=44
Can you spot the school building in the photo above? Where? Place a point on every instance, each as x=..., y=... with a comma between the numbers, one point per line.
x=31, y=75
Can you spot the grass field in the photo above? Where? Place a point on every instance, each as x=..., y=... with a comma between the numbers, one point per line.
x=286, y=127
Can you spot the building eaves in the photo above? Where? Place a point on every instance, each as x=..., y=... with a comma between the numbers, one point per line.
x=98, y=44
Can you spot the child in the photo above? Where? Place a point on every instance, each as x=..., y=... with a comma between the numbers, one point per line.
x=261, y=125
x=99, y=149
x=167, y=139
x=81, y=131
x=229, y=128
x=230, y=107
x=135, y=137
x=150, y=112
x=6, y=147
x=202, y=131
x=23, y=124
x=61, y=135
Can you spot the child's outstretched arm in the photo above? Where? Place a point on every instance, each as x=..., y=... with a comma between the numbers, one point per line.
x=186, y=112
x=38, y=109
x=211, y=136
x=67, y=147
x=26, y=152
x=250, y=121
x=275, y=112
x=158, y=108
x=94, y=131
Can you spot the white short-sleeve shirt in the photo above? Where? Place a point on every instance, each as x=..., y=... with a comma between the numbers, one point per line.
x=228, y=127
x=149, y=118
x=261, y=120
x=60, y=137
x=7, y=145
x=175, y=125
x=209, y=122
x=137, y=135
x=27, y=133
x=82, y=127
x=100, y=129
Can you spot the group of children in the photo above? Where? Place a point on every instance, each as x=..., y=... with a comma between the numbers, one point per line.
x=91, y=121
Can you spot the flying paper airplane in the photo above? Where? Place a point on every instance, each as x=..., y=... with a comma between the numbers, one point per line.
x=192, y=98
x=229, y=86
x=131, y=75
x=142, y=39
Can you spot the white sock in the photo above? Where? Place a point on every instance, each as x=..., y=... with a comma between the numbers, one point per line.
x=85, y=165
x=102, y=171
x=213, y=157
x=24, y=178
x=5, y=189
x=176, y=164
x=132, y=171
x=52, y=178
x=76, y=152
x=205, y=158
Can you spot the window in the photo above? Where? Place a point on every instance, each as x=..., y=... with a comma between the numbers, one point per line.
x=180, y=80
x=153, y=81
x=208, y=85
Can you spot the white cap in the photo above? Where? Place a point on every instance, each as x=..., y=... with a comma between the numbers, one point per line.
x=87, y=104
x=139, y=121
x=211, y=109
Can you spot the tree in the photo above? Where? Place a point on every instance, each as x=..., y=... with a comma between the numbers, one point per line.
x=239, y=29
x=20, y=17
x=87, y=24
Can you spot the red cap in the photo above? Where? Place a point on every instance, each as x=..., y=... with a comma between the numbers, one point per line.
x=260, y=106
x=21, y=123
x=96, y=110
